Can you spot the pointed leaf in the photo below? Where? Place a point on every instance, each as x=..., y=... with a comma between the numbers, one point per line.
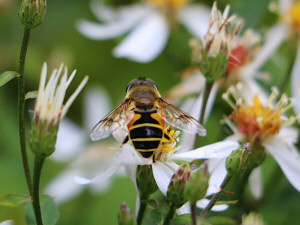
x=31, y=94
x=7, y=76
x=49, y=210
x=232, y=202
x=14, y=200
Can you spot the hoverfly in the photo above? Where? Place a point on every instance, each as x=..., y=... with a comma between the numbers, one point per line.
x=148, y=119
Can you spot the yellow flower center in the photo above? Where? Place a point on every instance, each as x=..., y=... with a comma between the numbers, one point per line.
x=169, y=4
x=294, y=15
x=257, y=120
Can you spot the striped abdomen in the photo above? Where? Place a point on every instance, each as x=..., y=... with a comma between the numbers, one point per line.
x=146, y=132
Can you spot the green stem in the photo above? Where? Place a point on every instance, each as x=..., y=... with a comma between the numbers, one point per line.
x=38, y=164
x=215, y=197
x=170, y=215
x=287, y=77
x=141, y=212
x=193, y=215
x=21, y=107
x=206, y=93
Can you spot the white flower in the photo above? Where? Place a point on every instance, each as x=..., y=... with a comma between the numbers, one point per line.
x=86, y=158
x=148, y=25
x=162, y=170
x=49, y=105
x=49, y=109
x=264, y=125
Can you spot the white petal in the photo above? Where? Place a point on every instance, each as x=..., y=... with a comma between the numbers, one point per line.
x=288, y=158
x=66, y=149
x=123, y=22
x=64, y=187
x=196, y=19
x=96, y=105
x=146, y=41
x=274, y=37
x=217, y=150
x=288, y=135
x=102, y=177
x=190, y=85
x=185, y=209
x=255, y=183
x=129, y=156
x=131, y=172
x=188, y=140
x=217, y=208
x=284, y=5
x=7, y=222
x=211, y=100
x=217, y=171
x=295, y=79
x=162, y=175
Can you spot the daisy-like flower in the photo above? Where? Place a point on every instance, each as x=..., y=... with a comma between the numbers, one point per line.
x=49, y=108
x=148, y=25
x=265, y=126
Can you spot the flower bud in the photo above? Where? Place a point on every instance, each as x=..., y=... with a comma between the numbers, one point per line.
x=175, y=193
x=212, y=53
x=145, y=181
x=125, y=217
x=42, y=138
x=32, y=12
x=238, y=160
x=196, y=187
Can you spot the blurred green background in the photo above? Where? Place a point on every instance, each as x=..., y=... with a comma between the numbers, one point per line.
x=56, y=41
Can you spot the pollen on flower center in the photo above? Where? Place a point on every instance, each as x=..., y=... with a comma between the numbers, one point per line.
x=294, y=15
x=170, y=4
x=258, y=121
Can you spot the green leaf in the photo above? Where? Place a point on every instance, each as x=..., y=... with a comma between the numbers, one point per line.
x=7, y=76
x=49, y=210
x=31, y=94
x=220, y=220
x=182, y=219
x=14, y=200
x=232, y=202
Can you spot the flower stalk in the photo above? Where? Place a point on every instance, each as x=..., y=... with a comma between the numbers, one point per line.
x=38, y=164
x=21, y=107
x=207, y=91
x=170, y=215
x=215, y=197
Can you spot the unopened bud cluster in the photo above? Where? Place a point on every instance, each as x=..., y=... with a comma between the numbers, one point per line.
x=238, y=160
x=175, y=194
x=197, y=185
x=188, y=184
x=32, y=12
x=125, y=216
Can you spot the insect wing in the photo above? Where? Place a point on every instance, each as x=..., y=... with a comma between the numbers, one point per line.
x=113, y=121
x=179, y=119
